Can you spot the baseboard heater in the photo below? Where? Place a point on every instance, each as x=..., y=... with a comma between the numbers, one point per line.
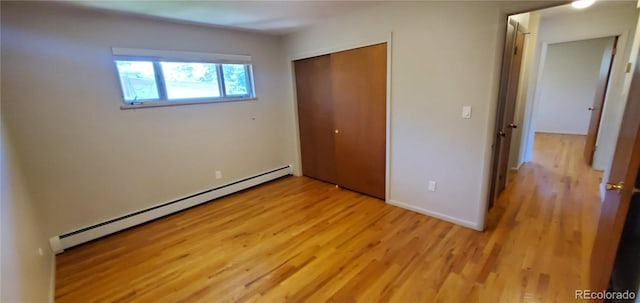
x=62, y=242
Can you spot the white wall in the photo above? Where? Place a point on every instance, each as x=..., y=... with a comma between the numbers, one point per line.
x=601, y=20
x=26, y=276
x=568, y=85
x=85, y=160
x=444, y=56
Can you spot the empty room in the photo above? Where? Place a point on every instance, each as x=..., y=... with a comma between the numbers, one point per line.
x=320, y=151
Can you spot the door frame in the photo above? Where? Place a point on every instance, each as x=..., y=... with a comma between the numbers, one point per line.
x=533, y=93
x=388, y=39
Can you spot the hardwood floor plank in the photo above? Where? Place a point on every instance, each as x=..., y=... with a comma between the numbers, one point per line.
x=301, y=240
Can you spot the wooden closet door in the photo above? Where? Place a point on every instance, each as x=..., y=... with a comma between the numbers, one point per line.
x=359, y=86
x=315, y=118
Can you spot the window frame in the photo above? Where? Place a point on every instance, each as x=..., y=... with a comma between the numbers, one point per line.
x=163, y=98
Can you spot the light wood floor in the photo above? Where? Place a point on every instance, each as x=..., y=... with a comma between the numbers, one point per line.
x=301, y=240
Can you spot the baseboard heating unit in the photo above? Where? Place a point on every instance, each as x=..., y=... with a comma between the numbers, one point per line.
x=62, y=242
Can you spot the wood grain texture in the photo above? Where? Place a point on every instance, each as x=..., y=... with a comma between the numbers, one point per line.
x=359, y=84
x=315, y=118
x=301, y=240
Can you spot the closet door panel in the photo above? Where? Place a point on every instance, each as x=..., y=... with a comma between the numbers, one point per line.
x=315, y=118
x=358, y=84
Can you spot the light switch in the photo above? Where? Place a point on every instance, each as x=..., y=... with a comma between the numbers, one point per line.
x=466, y=112
x=431, y=186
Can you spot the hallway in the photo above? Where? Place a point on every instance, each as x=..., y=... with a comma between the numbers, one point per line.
x=548, y=214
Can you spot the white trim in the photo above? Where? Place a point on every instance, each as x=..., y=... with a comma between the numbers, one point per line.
x=52, y=280
x=529, y=124
x=296, y=127
x=126, y=222
x=180, y=103
x=56, y=245
x=328, y=50
x=387, y=173
x=437, y=215
x=181, y=55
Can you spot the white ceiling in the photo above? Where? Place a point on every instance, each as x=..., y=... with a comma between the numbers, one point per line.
x=568, y=9
x=274, y=17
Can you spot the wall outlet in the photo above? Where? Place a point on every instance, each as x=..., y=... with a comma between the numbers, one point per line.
x=431, y=186
x=40, y=252
x=218, y=174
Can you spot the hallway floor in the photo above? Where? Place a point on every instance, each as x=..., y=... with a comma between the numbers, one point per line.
x=546, y=219
x=300, y=240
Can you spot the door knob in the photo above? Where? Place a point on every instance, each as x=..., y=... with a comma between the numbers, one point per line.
x=590, y=108
x=337, y=131
x=502, y=134
x=620, y=186
x=513, y=125
x=617, y=187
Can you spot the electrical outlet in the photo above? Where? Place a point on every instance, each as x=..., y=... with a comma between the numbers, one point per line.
x=218, y=174
x=431, y=186
x=40, y=252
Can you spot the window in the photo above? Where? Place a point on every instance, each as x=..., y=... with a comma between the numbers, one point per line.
x=138, y=81
x=171, y=79
x=190, y=80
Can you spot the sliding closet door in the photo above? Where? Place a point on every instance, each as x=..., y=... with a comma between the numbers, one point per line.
x=359, y=86
x=315, y=118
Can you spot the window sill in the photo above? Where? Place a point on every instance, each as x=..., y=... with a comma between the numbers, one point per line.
x=180, y=103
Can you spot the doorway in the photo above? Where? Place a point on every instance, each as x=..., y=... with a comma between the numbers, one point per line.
x=540, y=103
x=559, y=138
x=572, y=90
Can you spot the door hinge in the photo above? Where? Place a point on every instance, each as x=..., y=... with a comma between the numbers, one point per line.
x=515, y=52
x=615, y=50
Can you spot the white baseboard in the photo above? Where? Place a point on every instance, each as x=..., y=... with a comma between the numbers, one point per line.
x=517, y=168
x=437, y=215
x=82, y=235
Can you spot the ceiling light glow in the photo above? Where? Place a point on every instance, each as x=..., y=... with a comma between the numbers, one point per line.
x=582, y=3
